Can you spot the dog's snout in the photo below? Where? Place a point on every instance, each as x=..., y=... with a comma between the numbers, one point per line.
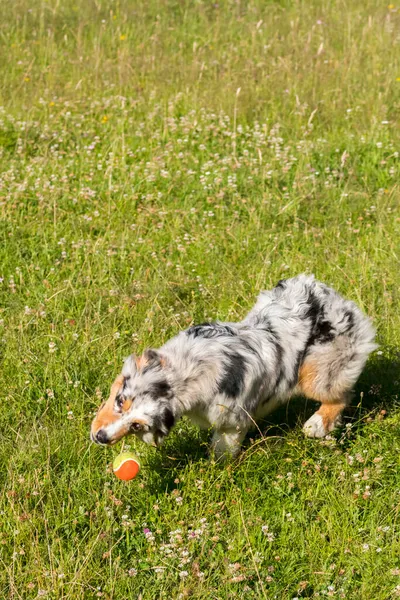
x=101, y=437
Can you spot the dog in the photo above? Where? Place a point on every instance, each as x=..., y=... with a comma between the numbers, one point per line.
x=301, y=338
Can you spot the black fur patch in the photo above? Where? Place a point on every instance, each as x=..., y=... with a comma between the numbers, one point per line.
x=125, y=383
x=153, y=360
x=350, y=321
x=322, y=331
x=160, y=389
x=232, y=380
x=323, y=334
x=164, y=421
x=314, y=310
x=295, y=376
x=168, y=418
x=210, y=329
x=279, y=361
x=151, y=355
x=197, y=330
x=281, y=284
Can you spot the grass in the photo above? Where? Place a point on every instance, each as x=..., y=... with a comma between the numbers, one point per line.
x=161, y=162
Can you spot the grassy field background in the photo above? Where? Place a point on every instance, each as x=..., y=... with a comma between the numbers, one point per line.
x=161, y=163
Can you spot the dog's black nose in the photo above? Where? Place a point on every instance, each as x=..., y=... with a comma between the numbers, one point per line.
x=101, y=437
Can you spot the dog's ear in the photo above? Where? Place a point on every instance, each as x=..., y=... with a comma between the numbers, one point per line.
x=130, y=367
x=150, y=359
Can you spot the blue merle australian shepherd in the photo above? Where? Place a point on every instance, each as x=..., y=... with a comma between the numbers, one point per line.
x=301, y=338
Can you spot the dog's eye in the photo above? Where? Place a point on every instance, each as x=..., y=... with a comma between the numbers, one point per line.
x=136, y=427
x=119, y=400
x=122, y=403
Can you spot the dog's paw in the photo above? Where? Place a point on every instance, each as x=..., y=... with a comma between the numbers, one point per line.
x=226, y=446
x=314, y=427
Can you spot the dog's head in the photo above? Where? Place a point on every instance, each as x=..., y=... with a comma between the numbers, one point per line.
x=140, y=402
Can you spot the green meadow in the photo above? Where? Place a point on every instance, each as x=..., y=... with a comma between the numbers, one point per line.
x=161, y=162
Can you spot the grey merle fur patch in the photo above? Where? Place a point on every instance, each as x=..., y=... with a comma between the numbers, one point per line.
x=234, y=371
x=210, y=330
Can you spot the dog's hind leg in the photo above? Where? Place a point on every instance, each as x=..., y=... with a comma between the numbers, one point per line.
x=334, y=397
x=332, y=367
x=325, y=420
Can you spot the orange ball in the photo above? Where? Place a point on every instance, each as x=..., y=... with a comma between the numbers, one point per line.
x=126, y=466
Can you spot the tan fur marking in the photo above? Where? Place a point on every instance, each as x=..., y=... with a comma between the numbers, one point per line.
x=330, y=413
x=140, y=361
x=307, y=379
x=116, y=385
x=106, y=415
x=127, y=404
x=309, y=384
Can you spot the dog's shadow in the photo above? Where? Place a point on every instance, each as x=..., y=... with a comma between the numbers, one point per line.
x=376, y=391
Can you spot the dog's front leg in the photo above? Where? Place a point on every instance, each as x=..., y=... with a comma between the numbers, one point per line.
x=226, y=443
